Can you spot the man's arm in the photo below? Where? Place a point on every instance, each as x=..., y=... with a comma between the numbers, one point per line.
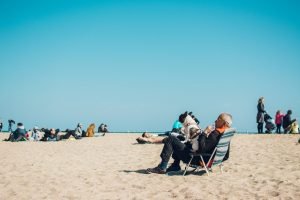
x=207, y=144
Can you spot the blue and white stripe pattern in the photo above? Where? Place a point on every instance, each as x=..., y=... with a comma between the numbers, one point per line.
x=222, y=146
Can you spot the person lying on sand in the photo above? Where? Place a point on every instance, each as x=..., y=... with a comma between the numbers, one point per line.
x=206, y=143
x=148, y=138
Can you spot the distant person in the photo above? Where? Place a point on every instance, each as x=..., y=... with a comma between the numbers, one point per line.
x=79, y=132
x=287, y=122
x=18, y=135
x=295, y=128
x=149, y=138
x=69, y=133
x=50, y=134
x=36, y=134
x=176, y=129
x=260, y=115
x=103, y=129
x=10, y=124
x=90, y=132
x=278, y=121
x=1, y=125
x=53, y=136
x=177, y=126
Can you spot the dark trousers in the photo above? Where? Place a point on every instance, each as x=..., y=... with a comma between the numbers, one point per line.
x=68, y=134
x=171, y=144
x=278, y=128
x=9, y=128
x=260, y=127
x=178, y=150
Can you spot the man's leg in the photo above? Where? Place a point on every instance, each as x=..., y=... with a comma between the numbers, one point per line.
x=179, y=155
x=171, y=144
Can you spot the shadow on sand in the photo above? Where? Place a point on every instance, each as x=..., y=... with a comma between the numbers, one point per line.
x=177, y=173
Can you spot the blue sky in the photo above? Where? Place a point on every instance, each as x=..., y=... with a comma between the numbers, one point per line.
x=136, y=65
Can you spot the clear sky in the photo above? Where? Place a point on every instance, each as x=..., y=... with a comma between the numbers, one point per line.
x=136, y=65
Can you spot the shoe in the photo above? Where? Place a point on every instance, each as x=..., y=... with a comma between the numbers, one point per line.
x=174, y=168
x=156, y=170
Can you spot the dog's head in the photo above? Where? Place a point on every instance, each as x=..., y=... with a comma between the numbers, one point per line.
x=182, y=117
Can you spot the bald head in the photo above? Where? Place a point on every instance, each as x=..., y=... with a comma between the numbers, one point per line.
x=227, y=118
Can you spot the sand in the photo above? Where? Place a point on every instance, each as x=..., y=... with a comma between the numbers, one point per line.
x=112, y=167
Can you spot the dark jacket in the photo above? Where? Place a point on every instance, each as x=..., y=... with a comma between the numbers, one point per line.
x=261, y=108
x=287, y=120
x=19, y=132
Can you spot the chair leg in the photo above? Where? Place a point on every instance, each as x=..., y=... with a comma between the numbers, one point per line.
x=221, y=168
x=187, y=166
x=204, y=165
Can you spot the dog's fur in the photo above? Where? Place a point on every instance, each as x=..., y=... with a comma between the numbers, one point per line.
x=190, y=127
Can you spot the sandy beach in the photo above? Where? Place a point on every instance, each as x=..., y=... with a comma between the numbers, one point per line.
x=112, y=167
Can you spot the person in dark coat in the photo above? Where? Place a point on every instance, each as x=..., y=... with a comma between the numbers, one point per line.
x=10, y=124
x=287, y=122
x=1, y=125
x=260, y=115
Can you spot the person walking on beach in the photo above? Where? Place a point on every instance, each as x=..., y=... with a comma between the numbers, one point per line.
x=278, y=121
x=260, y=115
x=10, y=124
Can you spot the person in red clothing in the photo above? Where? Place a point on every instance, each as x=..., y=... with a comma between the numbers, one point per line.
x=278, y=121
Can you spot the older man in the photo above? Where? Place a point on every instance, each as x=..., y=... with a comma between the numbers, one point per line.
x=207, y=141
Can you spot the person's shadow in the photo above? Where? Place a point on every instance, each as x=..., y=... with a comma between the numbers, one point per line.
x=177, y=173
x=139, y=171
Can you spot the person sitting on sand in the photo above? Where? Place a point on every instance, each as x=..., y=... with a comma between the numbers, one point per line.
x=287, y=122
x=295, y=128
x=18, y=135
x=79, y=132
x=35, y=134
x=103, y=129
x=207, y=141
x=177, y=126
x=90, y=130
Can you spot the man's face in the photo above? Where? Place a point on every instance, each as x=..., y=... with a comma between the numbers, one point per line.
x=219, y=123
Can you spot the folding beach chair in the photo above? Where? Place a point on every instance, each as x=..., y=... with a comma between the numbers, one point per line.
x=216, y=158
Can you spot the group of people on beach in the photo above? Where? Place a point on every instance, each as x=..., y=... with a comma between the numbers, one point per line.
x=52, y=134
x=285, y=121
x=187, y=137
